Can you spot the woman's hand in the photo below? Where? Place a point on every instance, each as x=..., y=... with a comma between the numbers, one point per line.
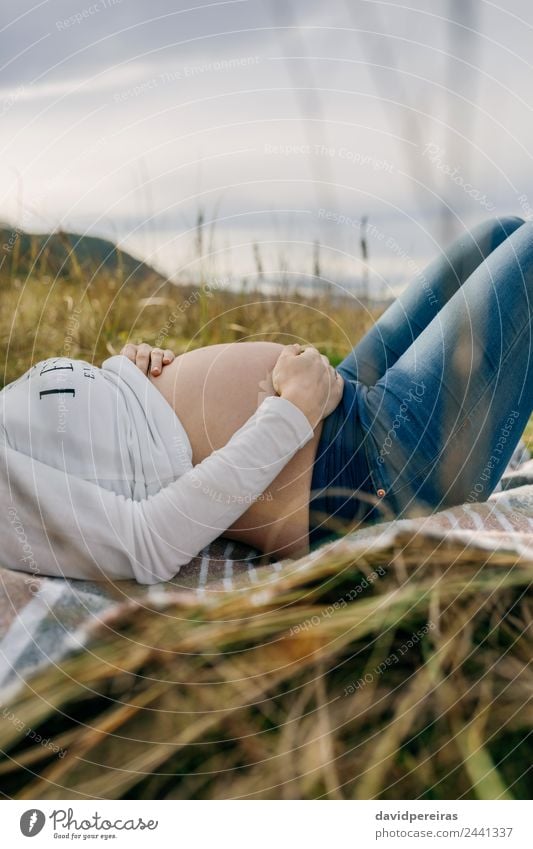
x=307, y=379
x=149, y=360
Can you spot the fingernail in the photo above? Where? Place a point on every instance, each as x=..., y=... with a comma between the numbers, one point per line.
x=155, y=370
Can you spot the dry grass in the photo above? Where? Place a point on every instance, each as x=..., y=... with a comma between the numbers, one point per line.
x=252, y=694
x=91, y=317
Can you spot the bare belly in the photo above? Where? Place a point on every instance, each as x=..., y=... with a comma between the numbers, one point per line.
x=214, y=390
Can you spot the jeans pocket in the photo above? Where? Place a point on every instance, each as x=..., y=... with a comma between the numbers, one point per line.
x=385, y=504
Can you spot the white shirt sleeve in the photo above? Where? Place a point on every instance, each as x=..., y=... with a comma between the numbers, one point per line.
x=53, y=523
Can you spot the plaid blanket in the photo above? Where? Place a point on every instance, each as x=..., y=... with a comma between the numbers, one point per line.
x=44, y=619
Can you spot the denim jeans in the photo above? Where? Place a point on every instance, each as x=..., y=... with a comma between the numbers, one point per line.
x=438, y=392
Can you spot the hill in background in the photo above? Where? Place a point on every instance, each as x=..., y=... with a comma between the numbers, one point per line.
x=65, y=255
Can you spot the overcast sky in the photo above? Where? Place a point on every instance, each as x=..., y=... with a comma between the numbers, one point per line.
x=282, y=121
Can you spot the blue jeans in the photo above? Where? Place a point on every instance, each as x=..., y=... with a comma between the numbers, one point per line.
x=437, y=393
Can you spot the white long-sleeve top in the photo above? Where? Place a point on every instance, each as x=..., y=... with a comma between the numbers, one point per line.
x=55, y=522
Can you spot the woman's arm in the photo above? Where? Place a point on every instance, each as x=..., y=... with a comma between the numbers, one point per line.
x=55, y=524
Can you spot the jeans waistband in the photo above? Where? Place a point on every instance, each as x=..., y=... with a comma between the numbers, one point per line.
x=341, y=487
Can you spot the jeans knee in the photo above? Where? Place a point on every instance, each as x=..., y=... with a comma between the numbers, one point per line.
x=507, y=223
x=492, y=232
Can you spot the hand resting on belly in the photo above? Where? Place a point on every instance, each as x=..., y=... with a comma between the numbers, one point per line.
x=215, y=390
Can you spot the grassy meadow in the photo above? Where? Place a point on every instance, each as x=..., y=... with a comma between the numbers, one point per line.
x=90, y=314
x=289, y=690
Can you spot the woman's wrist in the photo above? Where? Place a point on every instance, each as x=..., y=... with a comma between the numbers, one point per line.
x=291, y=412
x=303, y=402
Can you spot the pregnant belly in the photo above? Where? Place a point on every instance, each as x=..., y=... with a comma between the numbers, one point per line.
x=213, y=391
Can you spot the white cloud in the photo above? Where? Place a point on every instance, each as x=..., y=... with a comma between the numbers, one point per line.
x=208, y=107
